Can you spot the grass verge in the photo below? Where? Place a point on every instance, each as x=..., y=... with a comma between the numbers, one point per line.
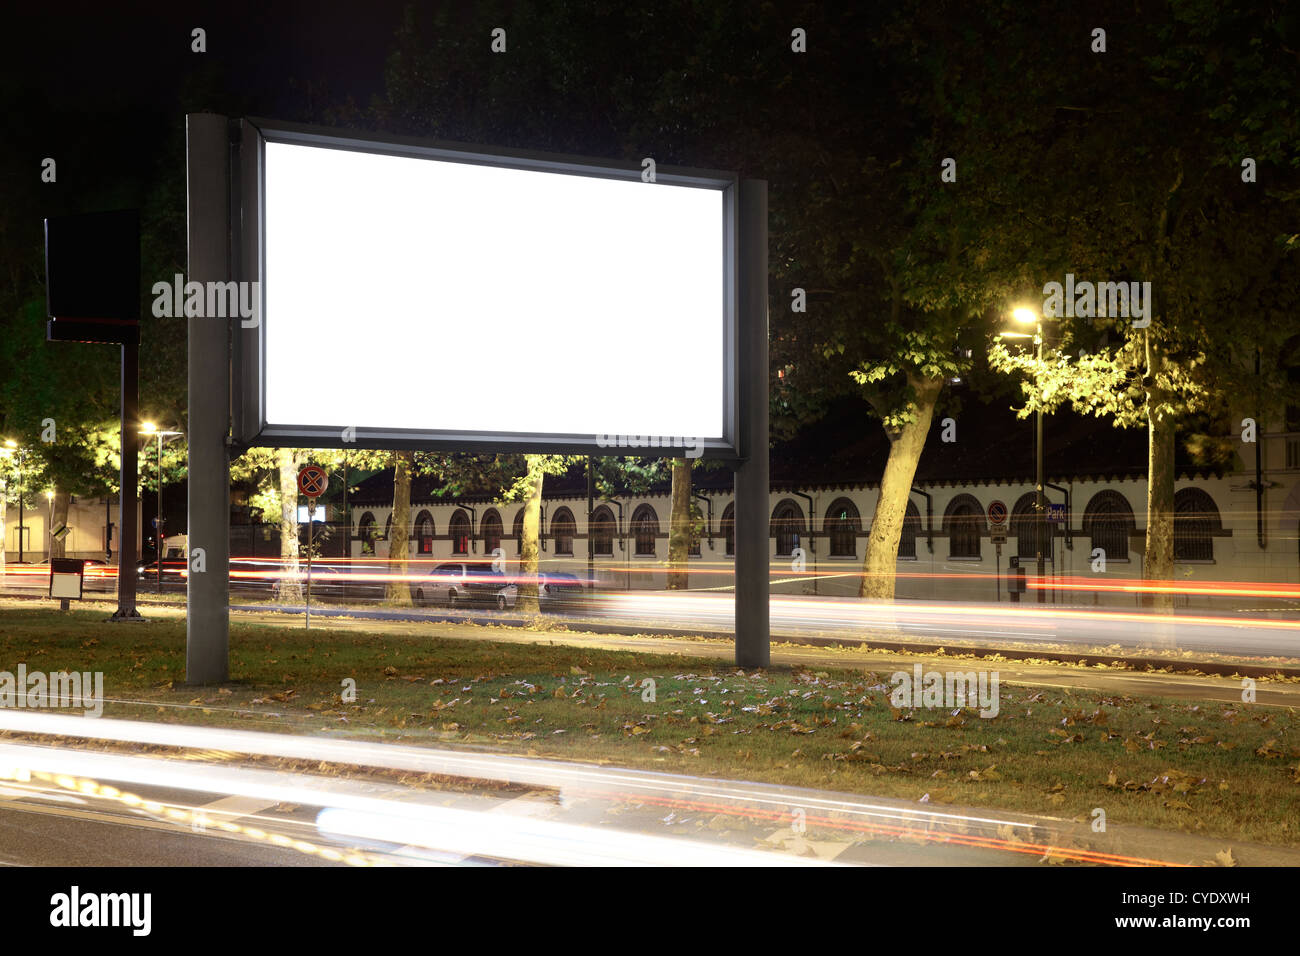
x=1229, y=771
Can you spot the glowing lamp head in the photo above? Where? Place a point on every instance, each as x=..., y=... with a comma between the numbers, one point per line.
x=1025, y=315
x=148, y=427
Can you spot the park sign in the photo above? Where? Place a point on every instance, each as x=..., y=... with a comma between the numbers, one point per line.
x=401, y=253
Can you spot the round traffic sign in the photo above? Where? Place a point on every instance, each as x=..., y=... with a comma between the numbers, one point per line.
x=997, y=512
x=312, y=481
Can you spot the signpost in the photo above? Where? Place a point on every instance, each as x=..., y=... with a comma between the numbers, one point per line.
x=66, y=580
x=1056, y=514
x=92, y=280
x=312, y=482
x=998, y=535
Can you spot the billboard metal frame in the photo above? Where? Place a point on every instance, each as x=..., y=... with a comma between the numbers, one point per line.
x=225, y=164
x=250, y=425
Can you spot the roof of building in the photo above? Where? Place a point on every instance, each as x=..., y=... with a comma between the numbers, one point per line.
x=991, y=446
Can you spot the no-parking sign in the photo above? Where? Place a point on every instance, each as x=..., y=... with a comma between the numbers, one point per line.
x=312, y=481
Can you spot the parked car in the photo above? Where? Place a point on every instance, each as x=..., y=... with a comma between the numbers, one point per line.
x=558, y=591
x=507, y=596
x=464, y=583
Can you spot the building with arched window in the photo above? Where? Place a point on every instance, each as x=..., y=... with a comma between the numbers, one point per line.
x=842, y=526
x=458, y=529
x=728, y=528
x=424, y=532
x=1030, y=530
x=645, y=529
x=942, y=553
x=602, y=531
x=563, y=530
x=366, y=533
x=1109, y=524
x=517, y=531
x=1196, y=522
x=963, y=523
x=787, y=527
x=911, y=528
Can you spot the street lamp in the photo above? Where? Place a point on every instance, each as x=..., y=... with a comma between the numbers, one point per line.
x=1027, y=316
x=49, y=524
x=10, y=447
x=149, y=428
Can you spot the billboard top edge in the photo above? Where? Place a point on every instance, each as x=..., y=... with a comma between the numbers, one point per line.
x=275, y=131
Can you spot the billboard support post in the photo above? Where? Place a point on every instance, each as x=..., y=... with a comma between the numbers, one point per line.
x=207, y=621
x=129, y=477
x=753, y=637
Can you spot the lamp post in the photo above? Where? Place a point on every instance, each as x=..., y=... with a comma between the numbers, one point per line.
x=1027, y=316
x=149, y=428
x=49, y=524
x=12, y=445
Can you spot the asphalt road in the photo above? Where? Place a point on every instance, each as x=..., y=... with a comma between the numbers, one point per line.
x=218, y=799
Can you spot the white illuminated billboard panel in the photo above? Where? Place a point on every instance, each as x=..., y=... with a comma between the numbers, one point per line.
x=409, y=293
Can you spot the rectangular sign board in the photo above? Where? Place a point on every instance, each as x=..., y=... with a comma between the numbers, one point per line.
x=430, y=295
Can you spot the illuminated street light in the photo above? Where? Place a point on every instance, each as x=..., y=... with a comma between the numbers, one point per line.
x=149, y=428
x=1027, y=316
x=10, y=447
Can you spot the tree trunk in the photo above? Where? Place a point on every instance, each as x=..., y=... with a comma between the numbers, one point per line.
x=4, y=529
x=398, y=592
x=289, y=588
x=58, y=516
x=527, y=584
x=680, y=526
x=1158, y=566
x=881, y=562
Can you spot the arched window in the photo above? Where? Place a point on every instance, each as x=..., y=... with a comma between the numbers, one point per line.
x=1025, y=526
x=964, y=522
x=787, y=526
x=843, y=525
x=388, y=528
x=911, y=528
x=517, y=532
x=645, y=528
x=563, y=528
x=602, y=531
x=490, y=527
x=1196, y=519
x=458, y=530
x=1108, y=521
x=424, y=532
x=728, y=528
x=366, y=532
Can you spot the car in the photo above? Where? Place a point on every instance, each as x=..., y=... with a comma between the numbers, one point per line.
x=173, y=568
x=464, y=583
x=507, y=596
x=559, y=591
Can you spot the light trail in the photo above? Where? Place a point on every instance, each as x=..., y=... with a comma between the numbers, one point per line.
x=371, y=818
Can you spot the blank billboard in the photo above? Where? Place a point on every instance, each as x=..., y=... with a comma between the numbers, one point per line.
x=439, y=296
